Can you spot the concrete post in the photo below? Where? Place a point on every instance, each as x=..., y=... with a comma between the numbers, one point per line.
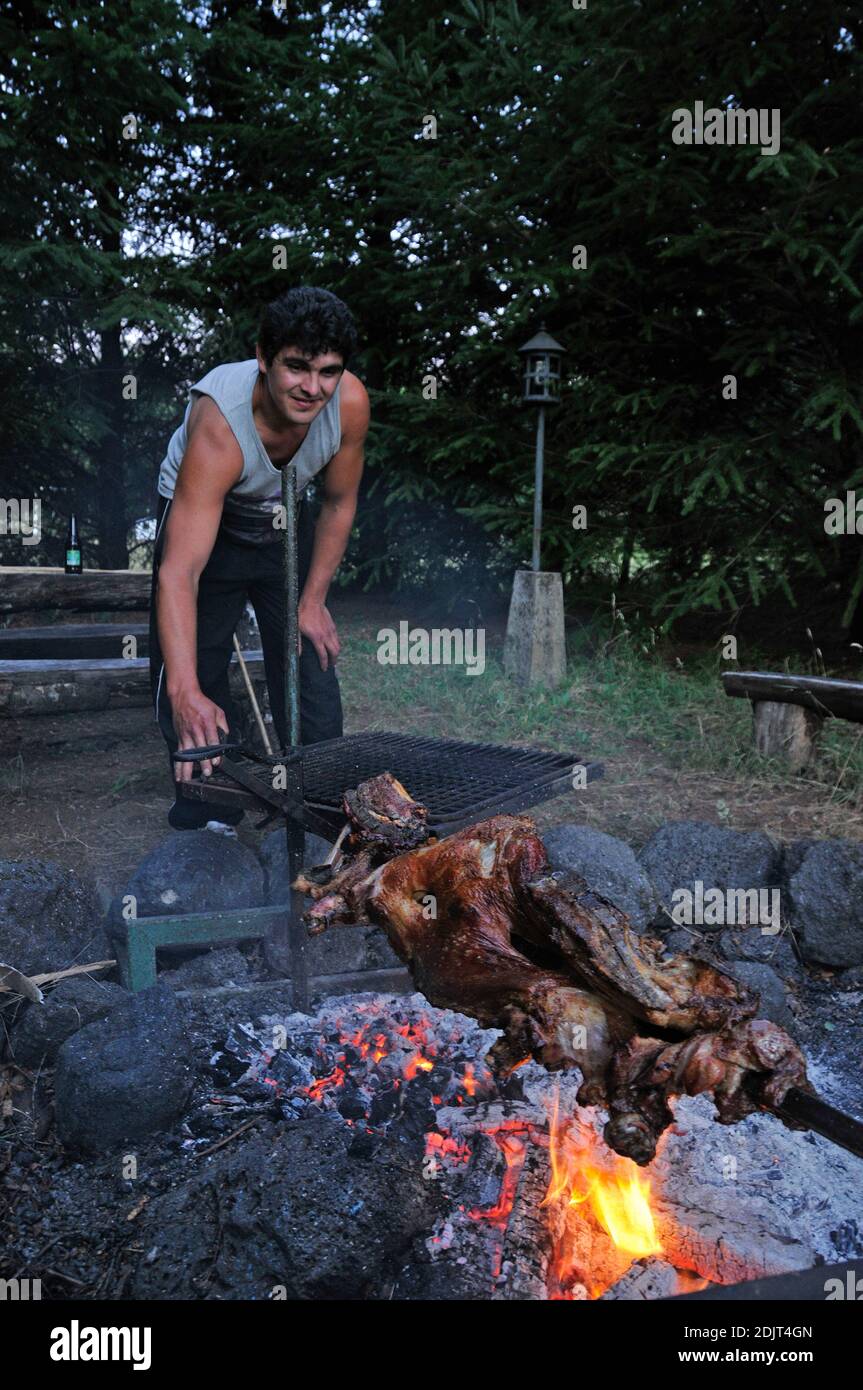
x=535, y=649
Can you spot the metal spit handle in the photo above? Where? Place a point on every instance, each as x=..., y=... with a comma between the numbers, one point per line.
x=294, y=929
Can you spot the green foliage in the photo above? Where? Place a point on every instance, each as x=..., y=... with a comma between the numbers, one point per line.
x=553, y=129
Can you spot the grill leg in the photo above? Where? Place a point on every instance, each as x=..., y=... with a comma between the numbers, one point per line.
x=296, y=928
x=136, y=959
x=290, y=940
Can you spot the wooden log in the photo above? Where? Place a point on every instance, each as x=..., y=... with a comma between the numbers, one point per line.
x=786, y=731
x=841, y=699
x=67, y=687
x=73, y=640
x=29, y=588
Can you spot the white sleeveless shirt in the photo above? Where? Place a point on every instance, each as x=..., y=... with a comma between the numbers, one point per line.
x=252, y=501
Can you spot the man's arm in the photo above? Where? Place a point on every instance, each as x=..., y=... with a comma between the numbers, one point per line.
x=341, y=481
x=212, y=464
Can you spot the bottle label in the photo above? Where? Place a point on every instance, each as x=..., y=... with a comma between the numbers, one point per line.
x=73, y=557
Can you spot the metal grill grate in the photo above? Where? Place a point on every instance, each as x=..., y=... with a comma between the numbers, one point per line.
x=459, y=782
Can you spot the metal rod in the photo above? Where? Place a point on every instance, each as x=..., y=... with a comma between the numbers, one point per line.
x=803, y=1108
x=294, y=829
x=537, y=489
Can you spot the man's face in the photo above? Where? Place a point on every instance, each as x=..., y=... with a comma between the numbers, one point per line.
x=301, y=386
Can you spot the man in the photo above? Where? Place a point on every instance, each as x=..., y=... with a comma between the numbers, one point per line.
x=216, y=542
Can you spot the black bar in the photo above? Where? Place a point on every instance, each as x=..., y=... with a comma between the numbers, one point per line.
x=294, y=831
x=803, y=1108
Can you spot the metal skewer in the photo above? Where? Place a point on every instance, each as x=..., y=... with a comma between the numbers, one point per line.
x=322, y=873
x=801, y=1107
x=293, y=933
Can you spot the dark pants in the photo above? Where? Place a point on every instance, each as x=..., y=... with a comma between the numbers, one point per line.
x=234, y=574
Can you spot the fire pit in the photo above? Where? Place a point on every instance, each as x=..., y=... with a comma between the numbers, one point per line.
x=531, y=1204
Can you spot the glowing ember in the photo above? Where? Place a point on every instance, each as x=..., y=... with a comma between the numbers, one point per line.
x=444, y=1146
x=514, y=1149
x=469, y=1080
x=690, y=1283
x=335, y=1078
x=415, y=1064
x=581, y=1223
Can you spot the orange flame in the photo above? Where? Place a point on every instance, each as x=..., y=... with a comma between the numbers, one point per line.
x=615, y=1189
x=621, y=1203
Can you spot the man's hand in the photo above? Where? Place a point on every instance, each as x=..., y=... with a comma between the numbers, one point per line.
x=316, y=624
x=198, y=722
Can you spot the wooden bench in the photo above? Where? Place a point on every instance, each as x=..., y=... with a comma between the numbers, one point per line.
x=75, y=640
x=32, y=589
x=67, y=686
x=80, y=666
x=788, y=712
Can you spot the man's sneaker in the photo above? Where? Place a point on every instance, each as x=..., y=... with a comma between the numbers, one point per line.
x=218, y=827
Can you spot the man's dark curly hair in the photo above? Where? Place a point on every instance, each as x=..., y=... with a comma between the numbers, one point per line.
x=316, y=321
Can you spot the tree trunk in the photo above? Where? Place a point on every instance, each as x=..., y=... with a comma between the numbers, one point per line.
x=110, y=460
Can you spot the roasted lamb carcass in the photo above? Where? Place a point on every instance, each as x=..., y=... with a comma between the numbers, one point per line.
x=486, y=930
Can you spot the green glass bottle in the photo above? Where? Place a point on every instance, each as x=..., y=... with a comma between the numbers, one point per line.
x=73, y=548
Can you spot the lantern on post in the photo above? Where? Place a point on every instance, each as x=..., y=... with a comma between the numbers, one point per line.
x=535, y=649
x=542, y=368
x=542, y=356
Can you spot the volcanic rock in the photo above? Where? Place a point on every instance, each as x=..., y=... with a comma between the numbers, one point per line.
x=274, y=858
x=825, y=902
x=50, y=917
x=609, y=867
x=685, y=852
x=125, y=1077
x=750, y=943
x=68, y=1007
x=190, y=871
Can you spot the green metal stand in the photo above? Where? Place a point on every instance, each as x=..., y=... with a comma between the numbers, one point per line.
x=142, y=936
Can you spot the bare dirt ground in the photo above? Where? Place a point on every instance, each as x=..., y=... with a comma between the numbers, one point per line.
x=91, y=791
